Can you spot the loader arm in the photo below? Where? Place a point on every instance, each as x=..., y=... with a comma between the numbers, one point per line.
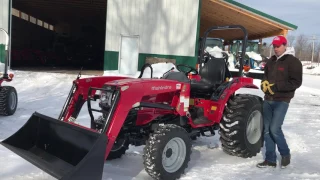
x=79, y=93
x=128, y=95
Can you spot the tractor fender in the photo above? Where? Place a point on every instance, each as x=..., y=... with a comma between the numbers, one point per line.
x=235, y=84
x=242, y=82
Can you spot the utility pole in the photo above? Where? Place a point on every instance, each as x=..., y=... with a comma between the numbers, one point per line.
x=313, y=39
x=318, y=59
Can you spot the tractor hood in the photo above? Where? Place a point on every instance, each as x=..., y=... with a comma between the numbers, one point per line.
x=147, y=84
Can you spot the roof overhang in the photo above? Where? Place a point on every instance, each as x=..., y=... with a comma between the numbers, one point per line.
x=227, y=12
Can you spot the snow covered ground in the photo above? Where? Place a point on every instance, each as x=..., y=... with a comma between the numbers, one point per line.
x=46, y=93
x=306, y=68
x=314, y=71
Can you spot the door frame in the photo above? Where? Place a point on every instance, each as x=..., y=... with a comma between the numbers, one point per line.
x=9, y=33
x=7, y=56
x=119, y=58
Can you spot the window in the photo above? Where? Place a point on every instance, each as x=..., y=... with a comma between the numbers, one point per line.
x=39, y=22
x=33, y=20
x=24, y=16
x=15, y=12
x=46, y=25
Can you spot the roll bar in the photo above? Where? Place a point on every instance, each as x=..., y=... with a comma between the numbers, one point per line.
x=215, y=28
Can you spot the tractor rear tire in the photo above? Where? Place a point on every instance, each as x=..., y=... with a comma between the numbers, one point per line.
x=241, y=128
x=119, y=148
x=167, y=152
x=8, y=100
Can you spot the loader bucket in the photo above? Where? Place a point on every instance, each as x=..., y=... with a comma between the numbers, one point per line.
x=62, y=150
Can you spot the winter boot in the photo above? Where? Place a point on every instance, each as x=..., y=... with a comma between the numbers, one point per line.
x=265, y=164
x=285, y=161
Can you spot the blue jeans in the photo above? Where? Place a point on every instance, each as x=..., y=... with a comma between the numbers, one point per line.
x=274, y=113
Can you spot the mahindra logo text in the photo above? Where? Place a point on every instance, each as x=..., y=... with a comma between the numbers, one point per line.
x=157, y=88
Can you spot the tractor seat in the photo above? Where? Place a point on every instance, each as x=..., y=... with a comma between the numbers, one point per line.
x=201, y=86
x=213, y=73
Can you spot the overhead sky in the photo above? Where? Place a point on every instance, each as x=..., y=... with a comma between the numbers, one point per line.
x=303, y=13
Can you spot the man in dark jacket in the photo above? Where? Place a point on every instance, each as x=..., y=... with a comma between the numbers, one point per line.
x=282, y=76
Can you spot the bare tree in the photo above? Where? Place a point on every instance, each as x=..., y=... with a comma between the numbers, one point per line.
x=302, y=47
x=291, y=39
x=307, y=53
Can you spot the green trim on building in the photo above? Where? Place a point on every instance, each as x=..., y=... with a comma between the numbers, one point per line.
x=111, y=59
x=262, y=14
x=2, y=53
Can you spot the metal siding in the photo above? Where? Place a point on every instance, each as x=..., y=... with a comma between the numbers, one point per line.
x=4, y=17
x=165, y=26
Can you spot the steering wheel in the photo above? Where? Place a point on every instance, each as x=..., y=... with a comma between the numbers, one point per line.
x=192, y=69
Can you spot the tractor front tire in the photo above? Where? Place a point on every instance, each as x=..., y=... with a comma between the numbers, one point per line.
x=8, y=100
x=119, y=148
x=167, y=152
x=241, y=128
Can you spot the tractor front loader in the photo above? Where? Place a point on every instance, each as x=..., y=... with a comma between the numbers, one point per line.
x=164, y=115
x=8, y=94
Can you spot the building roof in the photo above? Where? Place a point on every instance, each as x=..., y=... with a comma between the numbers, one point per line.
x=228, y=12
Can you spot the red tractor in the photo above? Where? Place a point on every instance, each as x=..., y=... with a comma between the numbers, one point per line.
x=8, y=94
x=163, y=114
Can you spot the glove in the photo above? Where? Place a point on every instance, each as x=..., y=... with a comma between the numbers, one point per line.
x=268, y=88
x=272, y=88
x=264, y=85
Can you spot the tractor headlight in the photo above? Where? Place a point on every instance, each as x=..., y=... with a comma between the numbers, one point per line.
x=106, y=98
x=103, y=97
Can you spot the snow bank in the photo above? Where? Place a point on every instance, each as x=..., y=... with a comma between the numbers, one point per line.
x=254, y=55
x=215, y=51
x=115, y=73
x=316, y=71
x=158, y=70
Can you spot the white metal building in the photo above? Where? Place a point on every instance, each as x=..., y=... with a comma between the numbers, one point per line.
x=129, y=31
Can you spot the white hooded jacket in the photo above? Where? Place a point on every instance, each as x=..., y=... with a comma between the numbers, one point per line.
x=289, y=50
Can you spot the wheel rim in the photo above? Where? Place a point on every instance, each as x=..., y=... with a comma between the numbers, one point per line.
x=254, y=127
x=12, y=100
x=118, y=144
x=174, y=154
